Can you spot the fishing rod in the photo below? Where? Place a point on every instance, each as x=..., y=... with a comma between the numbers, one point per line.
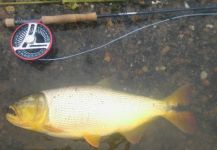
x=71, y=18
x=32, y=39
x=54, y=2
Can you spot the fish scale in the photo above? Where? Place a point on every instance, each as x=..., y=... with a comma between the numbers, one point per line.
x=78, y=109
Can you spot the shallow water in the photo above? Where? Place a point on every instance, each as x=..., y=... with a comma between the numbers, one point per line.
x=152, y=62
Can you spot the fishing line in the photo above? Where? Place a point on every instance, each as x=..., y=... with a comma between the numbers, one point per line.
x=127, y=34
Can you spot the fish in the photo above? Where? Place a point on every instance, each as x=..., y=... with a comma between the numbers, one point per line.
x=92, y=112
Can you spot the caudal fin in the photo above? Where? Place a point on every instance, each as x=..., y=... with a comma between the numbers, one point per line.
x=180, y=96
x=184, y=120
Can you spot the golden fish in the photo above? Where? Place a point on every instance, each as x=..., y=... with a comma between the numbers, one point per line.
x=92, y=112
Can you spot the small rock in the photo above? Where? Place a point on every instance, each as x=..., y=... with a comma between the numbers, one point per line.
x=203, y=75
x=107, y=57
x=92, y=6
x=135, y=18
x=139, y=72
x=145, y=68
x=210, y=26
x=141, y=2
x=156, y=2
x=160, y=68
x=165, y=50
x=186, y=5
x=192, y=27
x=205, y=82
x=109, y=23
x=181, y=36
x=179, y=61
x=139, y=42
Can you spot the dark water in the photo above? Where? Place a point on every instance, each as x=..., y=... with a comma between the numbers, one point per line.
x=153, y=63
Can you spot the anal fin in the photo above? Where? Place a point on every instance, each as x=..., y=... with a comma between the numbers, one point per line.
x=135, y=135
x=93, y=140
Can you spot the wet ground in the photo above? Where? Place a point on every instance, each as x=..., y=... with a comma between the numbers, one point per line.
x=152, y=62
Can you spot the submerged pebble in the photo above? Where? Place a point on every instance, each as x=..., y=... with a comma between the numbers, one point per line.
x=205, y=82
x=145, y=68
x=107, y=57
x=203, y=75
x=165, y=50
x=210, y=26
x=160, y=68
x=192, y=27
x=203, y=78
x=109, y=23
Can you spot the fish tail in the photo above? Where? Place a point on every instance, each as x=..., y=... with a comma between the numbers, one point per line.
x=184, y=120
x=180, y=96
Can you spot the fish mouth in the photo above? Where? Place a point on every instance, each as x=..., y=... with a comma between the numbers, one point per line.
x=13, y=116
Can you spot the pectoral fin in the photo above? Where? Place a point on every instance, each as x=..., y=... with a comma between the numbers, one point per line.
x=92, y=140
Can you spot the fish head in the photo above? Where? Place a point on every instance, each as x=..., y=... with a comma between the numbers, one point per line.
x=30, y=112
